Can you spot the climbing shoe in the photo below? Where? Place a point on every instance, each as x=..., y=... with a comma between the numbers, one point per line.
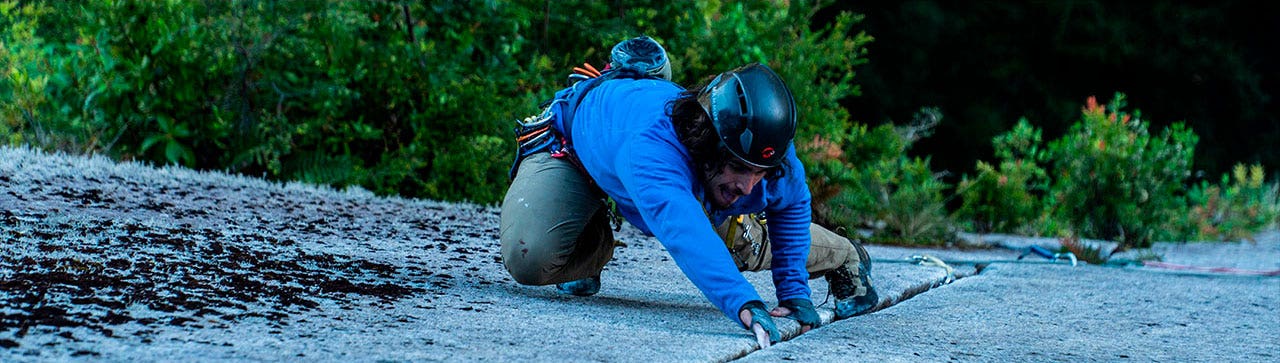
x=851, y=284
x=584, y=287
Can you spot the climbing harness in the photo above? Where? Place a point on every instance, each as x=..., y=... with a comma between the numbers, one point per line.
x=537, y=133
x=757, y=245
x=731, y=233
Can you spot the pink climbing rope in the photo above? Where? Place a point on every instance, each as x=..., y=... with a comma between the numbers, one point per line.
x=1222, y=270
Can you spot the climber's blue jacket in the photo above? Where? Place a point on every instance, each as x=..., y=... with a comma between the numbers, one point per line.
x=622, y=134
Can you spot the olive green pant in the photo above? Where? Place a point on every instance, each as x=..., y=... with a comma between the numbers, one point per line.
x=555, y=228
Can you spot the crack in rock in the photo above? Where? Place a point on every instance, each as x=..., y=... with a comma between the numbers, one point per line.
x=907, y=294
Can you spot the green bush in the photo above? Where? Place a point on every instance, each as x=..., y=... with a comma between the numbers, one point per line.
x=1114, y=181
x=1007, y=199
x=843, y=178
x=63, y=95
x=1111, y=180
x=409, y=98
x=1000, y=200
x=915, y=212
x=1236, y=208
x=870, y=182
x=23, y=83
x=339, y=93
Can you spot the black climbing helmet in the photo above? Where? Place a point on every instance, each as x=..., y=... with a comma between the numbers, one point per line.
x=643, y=54
x=753, y=113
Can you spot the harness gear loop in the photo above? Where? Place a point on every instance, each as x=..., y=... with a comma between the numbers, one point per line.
x=533, y=134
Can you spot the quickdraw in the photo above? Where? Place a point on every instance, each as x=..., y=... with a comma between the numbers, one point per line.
x=757, y=244
x=1042, y=252
x=729, y=237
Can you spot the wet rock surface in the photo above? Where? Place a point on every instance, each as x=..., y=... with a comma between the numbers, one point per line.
x=126, y=262
x=96, y=250
x=106, y=261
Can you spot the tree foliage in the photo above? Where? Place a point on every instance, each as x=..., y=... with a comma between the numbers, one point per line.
x=1007, y=197
x=400, y=97
x=1114, y=180
x=869, y=181
x=1109, y=177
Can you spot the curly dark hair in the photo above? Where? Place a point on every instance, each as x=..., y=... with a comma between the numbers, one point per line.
x=698, y=134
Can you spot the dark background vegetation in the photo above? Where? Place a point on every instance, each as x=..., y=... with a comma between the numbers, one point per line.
x=1213, y=65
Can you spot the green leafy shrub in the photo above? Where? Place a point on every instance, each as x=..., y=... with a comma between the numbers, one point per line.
x=1000, y=200
x=409, y=98
x=19, y=50
x=62, y=94
x=338, y=93
x=1236, y=208
x=1086, y=252
x=843, y=177
x=915, y=212
x=1008, y=198
x=870, y=182
x=1114, y=181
